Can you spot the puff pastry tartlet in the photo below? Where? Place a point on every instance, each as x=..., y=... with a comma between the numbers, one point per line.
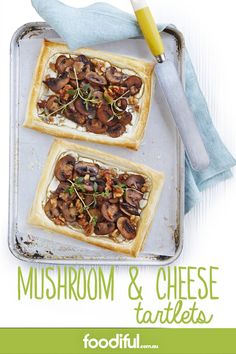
x=90, y=95
x=96, y=197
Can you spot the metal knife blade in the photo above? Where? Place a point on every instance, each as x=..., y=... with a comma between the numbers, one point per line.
x=175, y=97
x=172, y=89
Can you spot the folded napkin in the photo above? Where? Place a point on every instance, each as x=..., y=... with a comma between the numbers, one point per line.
x=102, y=22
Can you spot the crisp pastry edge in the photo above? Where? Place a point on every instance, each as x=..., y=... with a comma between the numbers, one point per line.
x=38, y=218
x=144, y=70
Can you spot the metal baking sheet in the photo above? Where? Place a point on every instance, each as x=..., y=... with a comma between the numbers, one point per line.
x=161, y=150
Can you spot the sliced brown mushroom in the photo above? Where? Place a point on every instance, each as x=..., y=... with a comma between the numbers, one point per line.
x=62, y=63
x=78, y=66
x=42, y=104
x=126, y=118
x=62, y=187
x=135, y=181
x=134, y=84
x=114, y=200
x=114, y=76
x=84, y=168
x=123, y=177
x=82, y=58
x=133, y=197
x=64, y=168
x=116, y=130
x=96, y=213
x=112, y=122
x=51, y=208
x=56, y=84
x=129, y=209
x=98, y=95
x=95, y=78
x=63, y=192
x=104, y=228
x=104, y=113
x=89, y=199
x=126, y=228
x=75, y=117
x=95, y=126
x=80, y=107
x=88, y=186
x=101, y=185
x=53, y=104
x=69, y=213
x=121, y=104
x=110, y=211
x=71, y=113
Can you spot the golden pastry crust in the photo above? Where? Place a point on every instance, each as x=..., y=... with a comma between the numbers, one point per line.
x=142, y=68
x=38, y=217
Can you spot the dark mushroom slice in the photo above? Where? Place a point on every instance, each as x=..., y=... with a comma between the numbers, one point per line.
x=133, y=197
x=77, y=72
x=114, y=76
x=52, y=104
x=126, y=118
x=114, y=200
x=95, y=126
x=96, y=213
x=76, y=117
x=101, y=185
x=80, y=107
x=126, y=228
x=134, y=84
x=110, y=211
x=112, y=122
x=96, y=79
x=78, y=66
x=62, y=187
x=98, y=95
x=104, y=113
x=88, y=186
x=69, y=213
x=121, y=105
x=70, y=108
x=123, y=177
x=42, y=104
x=129, y=209
x=84, y=168
x=89, y=199
x=62, y=63
x=135, y=181
x=71, y=113
x=116, y=130
x=104, y=228
x=56, y=84
x=83, y=59
x=64, y=168
x=51, y=208
x=63, y=193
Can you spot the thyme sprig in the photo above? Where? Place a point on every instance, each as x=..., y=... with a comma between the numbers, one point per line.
x=78, y=92
x=75, y=186
x=78, y=186
x=113, y=103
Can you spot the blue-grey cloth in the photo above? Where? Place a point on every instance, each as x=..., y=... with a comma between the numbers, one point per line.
x=102, y=22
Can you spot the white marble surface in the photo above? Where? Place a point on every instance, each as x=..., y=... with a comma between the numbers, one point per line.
x=210, y=237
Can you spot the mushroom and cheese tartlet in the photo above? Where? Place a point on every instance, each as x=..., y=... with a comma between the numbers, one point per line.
x=90, y=95
x=96, y=197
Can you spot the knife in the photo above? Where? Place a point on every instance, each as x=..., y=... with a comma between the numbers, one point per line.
x=172, y=88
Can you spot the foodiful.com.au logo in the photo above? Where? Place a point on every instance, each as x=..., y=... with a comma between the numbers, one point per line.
x=121, y=341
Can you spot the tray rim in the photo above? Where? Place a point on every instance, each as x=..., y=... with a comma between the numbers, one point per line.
x=19, y=34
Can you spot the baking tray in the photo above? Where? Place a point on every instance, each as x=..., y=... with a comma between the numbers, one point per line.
x=161, y=149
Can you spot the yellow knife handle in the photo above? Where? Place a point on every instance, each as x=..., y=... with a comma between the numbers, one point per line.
x=148, y=27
